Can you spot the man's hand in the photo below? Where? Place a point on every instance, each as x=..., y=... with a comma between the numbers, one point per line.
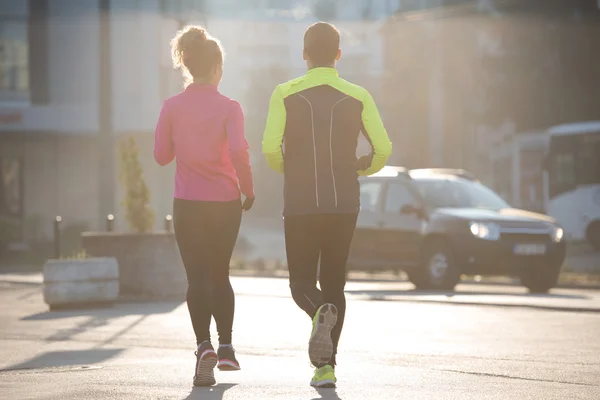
x=364, y=162
x=248, y=203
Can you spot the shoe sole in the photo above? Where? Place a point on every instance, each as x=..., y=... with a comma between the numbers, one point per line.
x=228, y=365
x=325, y=384
x=320, y=346
x=205, y=375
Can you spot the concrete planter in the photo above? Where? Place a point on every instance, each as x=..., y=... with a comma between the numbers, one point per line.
x=149, y=264
x=80, y=282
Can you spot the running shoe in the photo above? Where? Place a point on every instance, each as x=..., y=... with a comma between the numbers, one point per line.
x=324, y=377
x=320, y=345
x=206, y=360
x=227, y=360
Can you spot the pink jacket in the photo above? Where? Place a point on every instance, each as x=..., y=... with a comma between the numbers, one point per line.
x=204, y=131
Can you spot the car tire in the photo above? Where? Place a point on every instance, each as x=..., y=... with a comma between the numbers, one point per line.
x=593, y=235
x=438, y=270
x=540, y=279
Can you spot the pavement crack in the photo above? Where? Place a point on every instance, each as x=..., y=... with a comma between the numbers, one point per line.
x=485, y=374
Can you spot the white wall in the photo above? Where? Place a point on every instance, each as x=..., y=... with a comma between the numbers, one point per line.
x=136, y=60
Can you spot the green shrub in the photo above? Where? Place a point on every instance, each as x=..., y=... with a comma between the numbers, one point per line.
x=138, y=213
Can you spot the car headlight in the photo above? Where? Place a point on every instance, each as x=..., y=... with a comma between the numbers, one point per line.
x=485, y=230
x=557, y=234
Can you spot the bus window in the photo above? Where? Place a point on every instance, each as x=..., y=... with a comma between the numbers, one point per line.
x=588, y=164
x=563, y=176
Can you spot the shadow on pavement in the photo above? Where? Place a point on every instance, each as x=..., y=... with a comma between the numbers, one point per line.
x=57, y=359
x=99, y=317
x=118, y=310
x=209, y=393
x=383, y=293
x=327, y=394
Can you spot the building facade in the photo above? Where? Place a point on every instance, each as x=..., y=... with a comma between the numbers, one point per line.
x=76, y=76
x=465, y=76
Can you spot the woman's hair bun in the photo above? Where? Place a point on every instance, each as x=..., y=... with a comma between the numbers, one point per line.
x=194, y=50
x=195, y=35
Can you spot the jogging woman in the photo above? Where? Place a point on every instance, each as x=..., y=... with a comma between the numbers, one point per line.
x=204, y=132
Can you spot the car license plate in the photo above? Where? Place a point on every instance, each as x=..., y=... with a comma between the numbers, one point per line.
x=530, y=249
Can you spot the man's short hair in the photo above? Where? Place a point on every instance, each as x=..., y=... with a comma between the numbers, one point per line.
x=321, y=43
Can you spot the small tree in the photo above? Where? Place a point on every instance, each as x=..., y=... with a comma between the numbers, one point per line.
x=138, y=213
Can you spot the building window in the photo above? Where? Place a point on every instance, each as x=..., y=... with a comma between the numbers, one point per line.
x=11, y=203
x=14, y=50
x=11, y=199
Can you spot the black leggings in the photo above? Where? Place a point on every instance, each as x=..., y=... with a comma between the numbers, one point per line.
x=308, y=237
x=206, y=233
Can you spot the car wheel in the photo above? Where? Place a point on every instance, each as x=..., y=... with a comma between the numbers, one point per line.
x=540, y=279
x=438, y=270
x=593, y=235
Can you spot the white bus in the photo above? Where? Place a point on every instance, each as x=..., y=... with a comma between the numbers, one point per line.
x=573, y=179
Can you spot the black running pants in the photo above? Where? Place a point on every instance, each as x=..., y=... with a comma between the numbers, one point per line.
x=324, y=237
x=206, y=234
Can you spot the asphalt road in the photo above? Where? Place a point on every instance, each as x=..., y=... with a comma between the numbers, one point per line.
x=497, y=343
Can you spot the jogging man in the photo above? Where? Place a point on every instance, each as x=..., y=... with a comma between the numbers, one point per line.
x=311, y=137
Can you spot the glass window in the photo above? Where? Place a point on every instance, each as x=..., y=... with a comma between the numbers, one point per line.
x=397, y=197
x=565, y=169
x=11, y=199
x=589, y=161
x=370, y=192
x=562, y=173
x=14, y=50
x=11, y=203
x=459, y=193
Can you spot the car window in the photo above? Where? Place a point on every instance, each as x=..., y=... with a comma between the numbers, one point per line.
x=458, y=193
x=397, y=197
x=370, y=192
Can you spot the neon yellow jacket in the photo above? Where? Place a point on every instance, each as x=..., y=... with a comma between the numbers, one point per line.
x=311, y=136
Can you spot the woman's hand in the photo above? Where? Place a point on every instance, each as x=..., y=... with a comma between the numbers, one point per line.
x=248, y=203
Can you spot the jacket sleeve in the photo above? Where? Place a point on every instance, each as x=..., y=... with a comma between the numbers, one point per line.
x=238, y=149
x=164, y=150
x=273, y=135
x=377, y=136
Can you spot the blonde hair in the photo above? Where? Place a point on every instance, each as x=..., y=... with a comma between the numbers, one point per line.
x=196, y=53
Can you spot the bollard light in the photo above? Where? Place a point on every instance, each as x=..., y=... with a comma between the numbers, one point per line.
x=110, y=222
x=168, y=222
x=57, y=222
